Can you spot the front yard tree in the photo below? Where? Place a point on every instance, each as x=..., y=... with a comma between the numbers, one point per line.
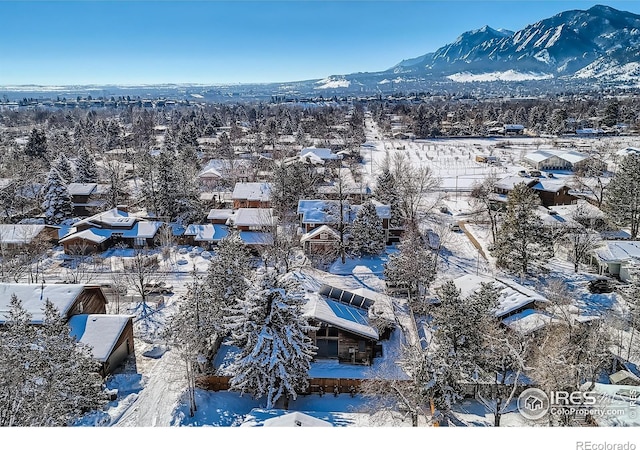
x=623, y=194
x=481, y=195
x=386, y=192
x=460, y=324
x=227, y=277
x=275, y=353
x=412, y=267
x=367, y=234
x=57, y=203
x=522, y=241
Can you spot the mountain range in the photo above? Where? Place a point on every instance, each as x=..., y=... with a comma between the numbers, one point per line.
x=597, y=45
x=588, y=49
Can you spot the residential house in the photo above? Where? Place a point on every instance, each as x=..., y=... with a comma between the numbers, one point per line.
x=109, y=336
x=551, y=191
x=619, y=259
x=219, y=172
x=255, y=225
x=108, y=228
x=87, y=197
x=345, y=314
x=204, y=235
x=83, y=307
x=21, y=235
x=316, y=213
x=251, y=195
x=518, y=306
x=69, y=299
x=320, y=156
x=512, y=129
x=320, y=240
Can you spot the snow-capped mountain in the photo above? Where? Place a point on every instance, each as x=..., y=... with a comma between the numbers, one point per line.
x=558, y=46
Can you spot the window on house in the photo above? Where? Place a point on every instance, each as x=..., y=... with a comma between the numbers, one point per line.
x=324, y=236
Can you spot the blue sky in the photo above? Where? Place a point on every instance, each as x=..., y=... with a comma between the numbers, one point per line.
x=146, y=42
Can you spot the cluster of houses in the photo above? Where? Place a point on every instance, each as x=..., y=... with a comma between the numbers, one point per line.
x=83, y=308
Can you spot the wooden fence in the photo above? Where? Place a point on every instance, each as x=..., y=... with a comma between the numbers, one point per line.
x=316, y=385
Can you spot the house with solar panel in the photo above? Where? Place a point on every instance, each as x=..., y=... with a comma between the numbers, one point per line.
x=350, y=319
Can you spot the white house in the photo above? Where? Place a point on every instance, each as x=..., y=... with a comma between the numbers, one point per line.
x=618, y=258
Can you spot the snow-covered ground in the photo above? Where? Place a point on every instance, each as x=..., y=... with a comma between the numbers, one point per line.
x=151, y=389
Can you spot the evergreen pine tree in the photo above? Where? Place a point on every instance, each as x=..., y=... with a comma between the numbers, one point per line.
x=47, y=379
x=367, y=234
x=70, y=383
x=86, y=169
x=522, y=242
x=412, y=266
x=623, y=194
x=276, y=356
x=57, y=203
x=64, y=168
x=227, y=277
x=386, y=192
x=37, y=144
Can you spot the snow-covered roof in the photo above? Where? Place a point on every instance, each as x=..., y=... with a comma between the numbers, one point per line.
x=207, y=232
x=508, y=183
x=319, y=154
x=220, y=214
x=527, y=321
x=143, y=230
x=256, y=238
x=581, y=209
x=33, y=297
x=253, y=217
x=571, y=156
x=252, y=191
x=295, y=419
x=340, y=315
x=81, y=188
x=99, y=331
x=111, y=218
x=316, y=231
x=328, y=211
x=95, y=235
x=618, y=251
x=347, y=289
x=547, y=185
x=19, y=234
x=513, y=296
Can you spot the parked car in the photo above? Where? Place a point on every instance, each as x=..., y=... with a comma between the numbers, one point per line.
x=206, y=254
x=454, y=227
x=158, y=287
x=182, y=261
x=183, y=251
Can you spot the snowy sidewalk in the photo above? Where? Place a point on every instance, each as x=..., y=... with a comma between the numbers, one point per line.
x=155, y=405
